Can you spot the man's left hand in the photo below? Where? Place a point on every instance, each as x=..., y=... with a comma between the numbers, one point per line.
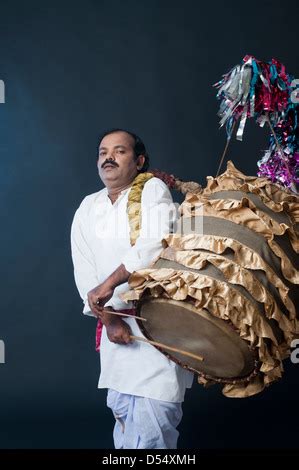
x=98, y=296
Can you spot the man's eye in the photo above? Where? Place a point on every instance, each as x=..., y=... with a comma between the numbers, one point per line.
x=121, y=151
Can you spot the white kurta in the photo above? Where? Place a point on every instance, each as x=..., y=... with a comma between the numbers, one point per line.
x=100, y=241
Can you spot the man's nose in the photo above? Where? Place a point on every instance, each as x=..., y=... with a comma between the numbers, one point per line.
x=105, y=158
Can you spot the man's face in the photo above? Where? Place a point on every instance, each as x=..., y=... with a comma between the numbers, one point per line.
x=116, y=164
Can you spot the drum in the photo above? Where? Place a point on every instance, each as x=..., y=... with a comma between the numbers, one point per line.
x=225, y=286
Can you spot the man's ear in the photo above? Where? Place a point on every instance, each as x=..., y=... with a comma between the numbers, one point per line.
x=140, y=161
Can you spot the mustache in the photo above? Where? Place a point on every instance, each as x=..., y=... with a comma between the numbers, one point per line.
x=110, y=162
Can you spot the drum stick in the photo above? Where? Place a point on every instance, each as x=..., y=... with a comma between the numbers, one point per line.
x=113, y=312
x=171, y=348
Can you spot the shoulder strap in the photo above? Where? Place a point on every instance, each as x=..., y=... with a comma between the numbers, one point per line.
x=134, y=204
x=134, y=198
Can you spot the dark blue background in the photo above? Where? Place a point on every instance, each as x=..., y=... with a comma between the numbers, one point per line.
x=72, y=69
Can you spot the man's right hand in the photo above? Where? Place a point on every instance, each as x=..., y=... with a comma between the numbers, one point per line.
x=118, y=331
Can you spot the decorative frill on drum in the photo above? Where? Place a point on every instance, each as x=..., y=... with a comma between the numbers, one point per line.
x=234, y=253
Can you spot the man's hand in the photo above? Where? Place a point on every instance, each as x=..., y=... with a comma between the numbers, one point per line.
x=98, y=296
x=118, y=331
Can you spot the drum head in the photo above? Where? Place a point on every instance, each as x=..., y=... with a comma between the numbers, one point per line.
x=181, y=325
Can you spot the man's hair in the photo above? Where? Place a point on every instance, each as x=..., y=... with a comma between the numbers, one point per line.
x=139, y=147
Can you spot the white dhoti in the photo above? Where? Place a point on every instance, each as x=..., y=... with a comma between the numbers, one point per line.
x=144, y=423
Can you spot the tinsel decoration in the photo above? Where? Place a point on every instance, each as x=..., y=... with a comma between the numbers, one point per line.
x=266, y=92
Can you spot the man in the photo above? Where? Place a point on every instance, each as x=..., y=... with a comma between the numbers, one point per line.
x=145, y=388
